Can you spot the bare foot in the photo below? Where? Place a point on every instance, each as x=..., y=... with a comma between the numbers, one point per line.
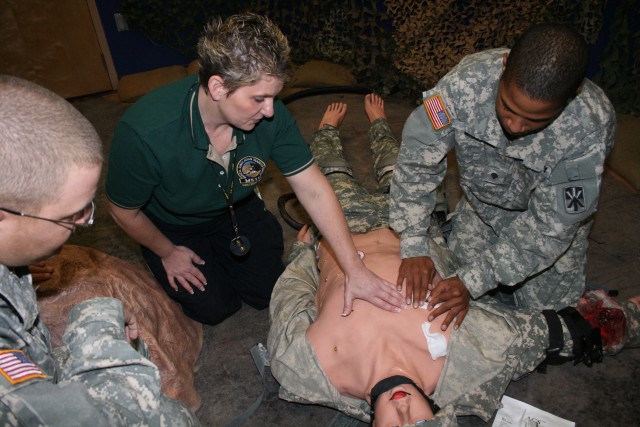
x=304, y=235
x=334, y=114
x=374, y=107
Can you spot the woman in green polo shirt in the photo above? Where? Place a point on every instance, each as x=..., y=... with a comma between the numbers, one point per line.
x=185, y=160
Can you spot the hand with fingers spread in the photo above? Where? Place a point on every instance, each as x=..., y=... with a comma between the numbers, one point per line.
x=366, y=285
x=453, y=297
x=417, y=274
x=180, y=267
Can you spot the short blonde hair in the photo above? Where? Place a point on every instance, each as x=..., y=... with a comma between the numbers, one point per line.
x=242, y=49
x=41, y=137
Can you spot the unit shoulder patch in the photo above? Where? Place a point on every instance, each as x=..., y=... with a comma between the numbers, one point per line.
x=437, y=112
x=574, y=199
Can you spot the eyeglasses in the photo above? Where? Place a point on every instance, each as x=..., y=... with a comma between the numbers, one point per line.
x=82, y=218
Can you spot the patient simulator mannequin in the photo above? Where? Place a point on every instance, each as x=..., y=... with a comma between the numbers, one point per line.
x=359, y=351
x=401, y=365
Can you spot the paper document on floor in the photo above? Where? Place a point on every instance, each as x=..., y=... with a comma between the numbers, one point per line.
x=515, y=413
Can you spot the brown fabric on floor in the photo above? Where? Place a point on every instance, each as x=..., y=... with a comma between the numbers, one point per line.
x=174, y=340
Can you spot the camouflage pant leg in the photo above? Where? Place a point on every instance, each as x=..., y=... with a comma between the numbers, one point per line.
x=632, y=313
x=363, y=211
x=534, y=327
x=535, y=339
x=385, y=149
x=327, y=151
x=326, y=141
x=493, y=346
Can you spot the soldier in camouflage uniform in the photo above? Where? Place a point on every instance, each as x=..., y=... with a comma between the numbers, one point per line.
x=530, y=135
x=50, y=162
x=496, y=345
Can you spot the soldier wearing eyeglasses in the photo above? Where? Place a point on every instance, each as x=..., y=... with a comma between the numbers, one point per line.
x=50, y=162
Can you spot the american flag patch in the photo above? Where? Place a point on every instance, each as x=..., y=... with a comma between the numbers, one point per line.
x=16, y=367
x=437, y=113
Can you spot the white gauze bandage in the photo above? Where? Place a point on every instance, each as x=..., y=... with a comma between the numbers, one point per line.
x=436, y=342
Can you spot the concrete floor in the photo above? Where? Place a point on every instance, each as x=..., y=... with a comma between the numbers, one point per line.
x=605, y=395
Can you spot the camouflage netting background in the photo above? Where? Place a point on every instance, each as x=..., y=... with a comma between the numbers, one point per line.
x=406, y=46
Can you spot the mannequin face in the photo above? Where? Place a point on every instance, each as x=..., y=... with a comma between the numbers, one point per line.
x=247, y=105
x=401, y=405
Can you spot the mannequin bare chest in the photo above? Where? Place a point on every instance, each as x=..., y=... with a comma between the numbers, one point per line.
x=370, y=343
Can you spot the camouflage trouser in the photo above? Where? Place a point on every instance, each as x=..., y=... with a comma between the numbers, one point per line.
x=560, y=285
x=364, y=211
x=632, y=313
x=496, y=344
x=612, y=343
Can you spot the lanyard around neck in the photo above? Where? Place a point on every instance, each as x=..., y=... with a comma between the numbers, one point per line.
x=240, y=245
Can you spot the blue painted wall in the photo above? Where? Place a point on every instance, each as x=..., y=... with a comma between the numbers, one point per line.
x=132, y=51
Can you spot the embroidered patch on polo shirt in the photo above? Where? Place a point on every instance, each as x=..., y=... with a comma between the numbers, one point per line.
x=437, y=112
x=16, y=367
x=250, y=170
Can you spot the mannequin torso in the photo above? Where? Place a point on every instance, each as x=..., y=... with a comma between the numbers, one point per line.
x=370, y=344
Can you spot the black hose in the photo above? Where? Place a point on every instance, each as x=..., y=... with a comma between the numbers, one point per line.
x=282, y=207
x=325, y=90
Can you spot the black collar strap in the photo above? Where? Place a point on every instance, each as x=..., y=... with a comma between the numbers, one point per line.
x=391, y=382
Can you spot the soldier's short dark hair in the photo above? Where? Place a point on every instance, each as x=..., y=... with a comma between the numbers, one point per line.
x=548, y=62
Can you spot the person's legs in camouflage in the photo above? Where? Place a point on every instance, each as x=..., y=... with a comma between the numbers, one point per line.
x=364, y=211
x=595, y=327
x=619, y=323
x=631, y=309
x=384, y=145
x=325, y=142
